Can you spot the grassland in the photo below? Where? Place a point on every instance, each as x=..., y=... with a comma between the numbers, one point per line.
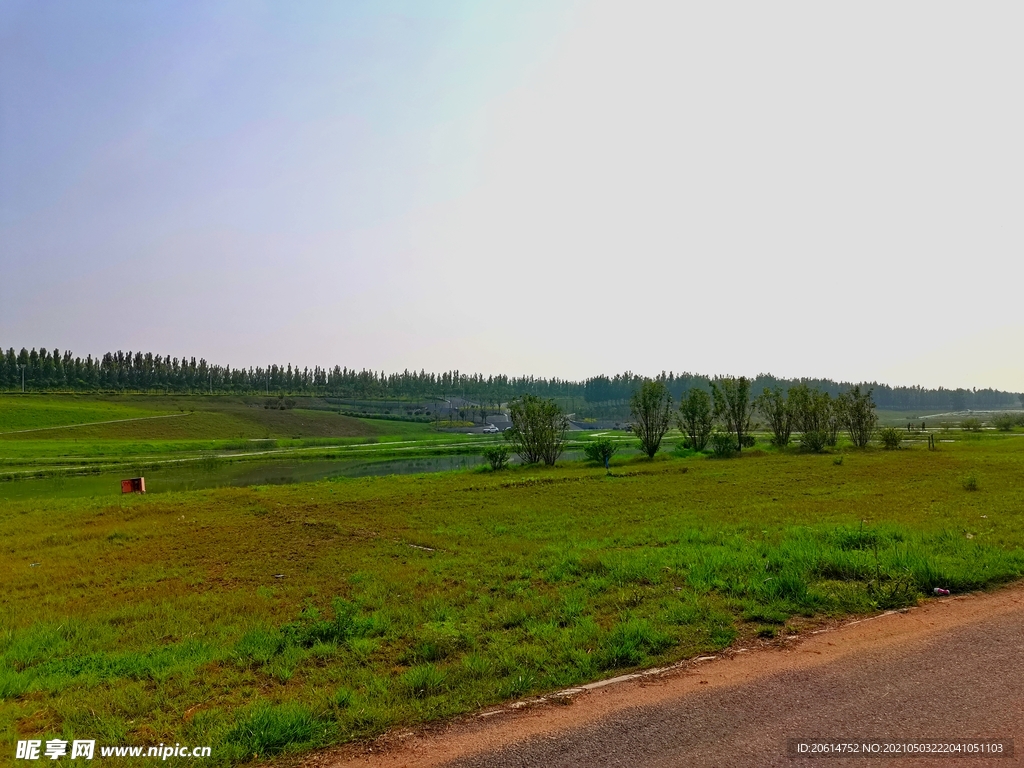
x=49, y=434
x=280, y=618
x=139, y=417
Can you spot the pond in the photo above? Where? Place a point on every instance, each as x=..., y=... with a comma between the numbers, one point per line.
x=193, y=476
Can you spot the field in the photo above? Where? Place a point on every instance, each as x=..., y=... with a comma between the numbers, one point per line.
x=54, y=434
x=268, y=619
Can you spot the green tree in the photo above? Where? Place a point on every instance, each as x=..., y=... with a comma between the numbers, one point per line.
x=651, y=408
x=538, y=429
x=859, y=417
x=733, y=406
x=498, y=456
x=696, y=418
x=600, y=451
x=813, y=414
x=776, y=410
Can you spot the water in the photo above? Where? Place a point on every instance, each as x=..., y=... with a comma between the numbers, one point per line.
x=193, y=476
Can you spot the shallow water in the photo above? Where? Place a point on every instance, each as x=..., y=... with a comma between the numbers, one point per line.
x=193, y=476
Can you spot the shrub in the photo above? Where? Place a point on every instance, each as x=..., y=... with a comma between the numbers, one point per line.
x=970, y=424
x=815, y=440
x=498, y=456
x=748, y=441
x=891, y=438
x=1004, y=422
x=969, y=482
x=723, y=444
x=600, y=451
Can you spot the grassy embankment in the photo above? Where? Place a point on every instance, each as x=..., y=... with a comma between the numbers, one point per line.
x=42, y=434
x=278, y=618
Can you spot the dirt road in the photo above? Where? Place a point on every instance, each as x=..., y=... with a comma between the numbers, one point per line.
x=951, y=670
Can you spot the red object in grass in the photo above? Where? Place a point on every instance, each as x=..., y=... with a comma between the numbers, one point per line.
x=133, y=485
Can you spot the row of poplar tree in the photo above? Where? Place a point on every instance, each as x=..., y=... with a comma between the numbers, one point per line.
x=46, y=370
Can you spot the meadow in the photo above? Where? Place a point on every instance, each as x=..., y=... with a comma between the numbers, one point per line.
x=267, y=619
x=59, y=435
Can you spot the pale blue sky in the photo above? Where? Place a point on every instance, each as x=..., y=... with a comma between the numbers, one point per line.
x=556, y=188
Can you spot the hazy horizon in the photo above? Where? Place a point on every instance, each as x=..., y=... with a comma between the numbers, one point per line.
x=550, y=188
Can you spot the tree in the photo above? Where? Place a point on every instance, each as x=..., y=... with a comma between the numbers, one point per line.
x=538, y=429
x=777, y=412
x=814, y=416
x=498, y=456
x=600, y=451
x=1004, y=422
x=859, y=417
x=733, y=406
x=651, y=406
x=695, y=418
x=835, y=419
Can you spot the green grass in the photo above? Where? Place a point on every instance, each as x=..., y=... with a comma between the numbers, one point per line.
x=270, y=619
x=141, y=417
x=21, y=412
x=145, y=431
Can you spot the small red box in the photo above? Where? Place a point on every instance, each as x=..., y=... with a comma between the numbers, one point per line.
x=133, y=485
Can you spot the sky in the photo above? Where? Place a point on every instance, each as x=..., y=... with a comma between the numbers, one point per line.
x=547, y=187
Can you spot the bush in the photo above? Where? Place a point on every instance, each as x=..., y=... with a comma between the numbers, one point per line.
x=538, y=429
x=814, y=440
x=600, y=451
x=969, y=482
x=723, y=444
x=890, y=437
x=748, y=441
x=1004, y=422
x=971, y=424
x=498, y=456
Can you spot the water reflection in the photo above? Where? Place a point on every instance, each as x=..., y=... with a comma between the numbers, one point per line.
x=216, y=474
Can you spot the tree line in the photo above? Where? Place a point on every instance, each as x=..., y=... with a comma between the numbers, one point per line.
x=620, y=388
x=45, y=370
x=722, y=421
